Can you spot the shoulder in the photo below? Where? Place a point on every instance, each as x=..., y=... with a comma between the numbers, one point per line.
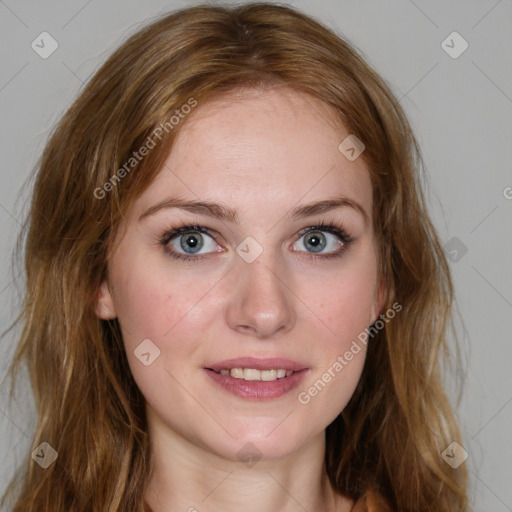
x=372, y=501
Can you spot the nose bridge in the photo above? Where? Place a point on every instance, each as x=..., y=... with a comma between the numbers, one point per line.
x=261, y=300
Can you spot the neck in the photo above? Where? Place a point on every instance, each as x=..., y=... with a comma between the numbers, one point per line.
x=189, y=478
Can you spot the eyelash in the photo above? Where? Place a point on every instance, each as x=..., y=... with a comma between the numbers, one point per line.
x=328, y=227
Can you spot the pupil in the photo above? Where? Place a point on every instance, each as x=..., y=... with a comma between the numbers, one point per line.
x=191, y=242
x=316, y=241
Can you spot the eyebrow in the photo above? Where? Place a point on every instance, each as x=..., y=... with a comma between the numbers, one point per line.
x=222, y=212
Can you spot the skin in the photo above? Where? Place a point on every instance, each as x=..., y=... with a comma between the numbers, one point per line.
x=263, y=153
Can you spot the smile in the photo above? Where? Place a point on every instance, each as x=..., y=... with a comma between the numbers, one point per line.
x=253, y=384
x=252, y=374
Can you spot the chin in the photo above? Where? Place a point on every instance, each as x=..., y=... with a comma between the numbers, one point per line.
x=273, y=441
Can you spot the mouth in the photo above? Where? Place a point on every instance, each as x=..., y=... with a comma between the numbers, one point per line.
x=266, y=382
x=253, y=374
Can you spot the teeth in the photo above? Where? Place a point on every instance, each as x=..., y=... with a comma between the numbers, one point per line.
x=268, y=374
x=252, y=374
x=237, y=373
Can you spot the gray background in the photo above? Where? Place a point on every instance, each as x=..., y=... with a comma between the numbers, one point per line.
x=459, y=107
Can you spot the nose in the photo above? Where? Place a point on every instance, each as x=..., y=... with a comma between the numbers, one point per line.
x=261, y=303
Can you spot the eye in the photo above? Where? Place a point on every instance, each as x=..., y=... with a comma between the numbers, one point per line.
x=192, y=243
x=317, y=241
x=187, y=242
x=327, y=240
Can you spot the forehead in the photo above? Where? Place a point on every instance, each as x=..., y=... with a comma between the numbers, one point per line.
x=267, y=149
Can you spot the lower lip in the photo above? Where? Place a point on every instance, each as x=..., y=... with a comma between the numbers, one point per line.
x=258, y=389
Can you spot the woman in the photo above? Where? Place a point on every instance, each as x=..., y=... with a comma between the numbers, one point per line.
x=235, y=296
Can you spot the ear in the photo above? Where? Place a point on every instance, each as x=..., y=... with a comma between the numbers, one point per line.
x=379, y=301
x=104, y=307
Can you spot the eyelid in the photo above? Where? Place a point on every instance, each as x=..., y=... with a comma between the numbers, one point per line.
x=173, y=232
x=329, y=228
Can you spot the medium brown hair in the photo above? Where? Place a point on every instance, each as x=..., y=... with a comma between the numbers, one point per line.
x=388, y=440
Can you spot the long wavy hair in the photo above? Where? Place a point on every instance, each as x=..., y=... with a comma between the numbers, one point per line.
x=387, y=442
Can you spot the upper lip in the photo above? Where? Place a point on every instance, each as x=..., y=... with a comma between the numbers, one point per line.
x=258, y=364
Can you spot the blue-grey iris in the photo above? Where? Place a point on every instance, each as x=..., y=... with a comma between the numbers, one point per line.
x=192, y=241
x=316, y=241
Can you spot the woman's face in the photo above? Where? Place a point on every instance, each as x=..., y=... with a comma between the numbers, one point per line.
x=261, y=281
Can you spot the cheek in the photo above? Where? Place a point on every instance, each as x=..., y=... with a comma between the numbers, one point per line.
x=344, y=307
x=346, y=300
x=156, y=303
x=166, y=308
x=344, y=303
